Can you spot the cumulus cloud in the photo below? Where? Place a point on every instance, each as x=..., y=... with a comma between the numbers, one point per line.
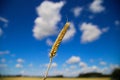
x=96, y=6
x=49, y=42
x=73, y=67
x=70, y=32
x=103, y=63
x=114, y=66
x=19, y=60
x=90, y=32
x=67, y=72
x=105, y=29
x=94, y=68
x=19, y=66
x=90, y=69
x=105, y=70
x=52, y=65
x=22, y=72
x=73, y=60
x=71, y=73
x=48, y=17
x=77, y=11
x=4, y=52
x=2, y=19
x=5, y=21
x=82, y=64
x=55, y=72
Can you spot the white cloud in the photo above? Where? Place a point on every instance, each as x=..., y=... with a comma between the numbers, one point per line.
x=117, y=22
x=73, y=59
x=94, y=68
x=67, y=69
x=77, y=11
x=96, y=6
x=5, y=24
x=82, y=64
x=19, y=60
x=105, y=29
x=103, y=63
x=73, y=67
x=53, y=65
x=4, y=52
x=114, y=66
x=22, y=72
x=19, y=66
x=3, y=20
x=70, y=32
x=48, y=17
x=49, y=42
x=71, y=73
x=90, y=32
x=110, y=69
x=89, y=69
x=66, y=72
x=105, y=70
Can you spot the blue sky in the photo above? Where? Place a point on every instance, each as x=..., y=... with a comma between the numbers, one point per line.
x=29, y=28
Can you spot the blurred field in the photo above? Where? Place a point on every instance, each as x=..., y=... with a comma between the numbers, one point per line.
x=24, y=78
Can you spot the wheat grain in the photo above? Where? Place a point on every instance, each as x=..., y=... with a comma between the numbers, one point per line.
x=56, y=45
x=58, y=40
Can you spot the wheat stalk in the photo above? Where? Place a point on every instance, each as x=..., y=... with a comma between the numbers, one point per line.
x=56, y=45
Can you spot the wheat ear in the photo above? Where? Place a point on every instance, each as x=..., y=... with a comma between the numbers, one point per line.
x=56, y=45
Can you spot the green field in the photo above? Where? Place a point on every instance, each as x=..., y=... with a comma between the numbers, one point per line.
x=24, y=78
